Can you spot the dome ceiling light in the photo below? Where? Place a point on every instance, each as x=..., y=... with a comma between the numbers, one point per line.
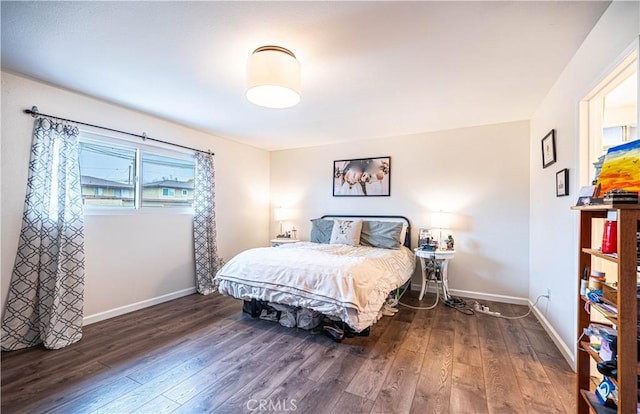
x=273, y=77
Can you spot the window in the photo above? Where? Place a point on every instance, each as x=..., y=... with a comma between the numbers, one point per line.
x=608, y=116
x=162, y=176
x=123, y=175
x=168, y=192
x=103, y=170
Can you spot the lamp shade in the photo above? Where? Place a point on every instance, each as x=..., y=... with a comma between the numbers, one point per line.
x=281, y=214
x=273, y=77
x=440, y=220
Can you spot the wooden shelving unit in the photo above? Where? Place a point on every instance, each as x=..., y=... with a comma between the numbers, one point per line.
x=627, y=308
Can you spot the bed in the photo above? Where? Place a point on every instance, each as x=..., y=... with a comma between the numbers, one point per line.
x=346, y=279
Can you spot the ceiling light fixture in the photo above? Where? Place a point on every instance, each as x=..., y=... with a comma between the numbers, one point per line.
x=273, y=77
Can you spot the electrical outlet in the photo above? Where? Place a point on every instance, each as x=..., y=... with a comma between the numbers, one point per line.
x=548, y=294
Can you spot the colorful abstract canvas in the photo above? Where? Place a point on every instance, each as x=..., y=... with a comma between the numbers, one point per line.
x=621, y=169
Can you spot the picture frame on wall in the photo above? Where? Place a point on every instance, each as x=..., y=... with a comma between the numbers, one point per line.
x=562, y=183
x=549, y=149
x=362, y=177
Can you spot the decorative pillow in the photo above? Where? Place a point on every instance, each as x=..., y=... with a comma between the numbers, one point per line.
x=403, y=235
x=346, y=232
x=321, y=230
x=384, y=234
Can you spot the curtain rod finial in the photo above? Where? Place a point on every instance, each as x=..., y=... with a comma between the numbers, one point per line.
x=33, y=111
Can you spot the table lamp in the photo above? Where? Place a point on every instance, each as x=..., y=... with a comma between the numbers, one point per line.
x=281, y=214
x=440, y=220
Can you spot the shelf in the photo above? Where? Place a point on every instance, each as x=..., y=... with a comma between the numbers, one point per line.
x=602, y=207
x=611, y=317
x=623, y=315
x=595, y=356
x=594, y=403
x=598, y=253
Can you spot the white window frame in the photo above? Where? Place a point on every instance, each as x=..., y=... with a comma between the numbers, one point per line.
x=100, y=139
x=591, y=115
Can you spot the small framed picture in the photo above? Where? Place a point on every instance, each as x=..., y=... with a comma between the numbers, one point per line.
x=562, y=183
x=425, y=238
x=585, y=194
x=549, y=149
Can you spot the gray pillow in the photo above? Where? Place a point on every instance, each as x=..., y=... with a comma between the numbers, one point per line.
x=384, y=234
x=321, y=230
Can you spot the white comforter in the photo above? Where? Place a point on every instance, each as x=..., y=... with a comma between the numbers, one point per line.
x=347, y=282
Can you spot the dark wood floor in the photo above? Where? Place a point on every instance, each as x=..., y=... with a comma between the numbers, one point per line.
x=200, y=354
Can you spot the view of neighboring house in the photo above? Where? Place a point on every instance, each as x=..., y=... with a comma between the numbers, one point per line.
x=163, y=193
x=100, y=192
x=166, y=193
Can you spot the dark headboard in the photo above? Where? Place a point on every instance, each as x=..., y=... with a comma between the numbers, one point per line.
x=401, y=219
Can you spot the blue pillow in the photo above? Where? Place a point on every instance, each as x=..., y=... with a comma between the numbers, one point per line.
x=321, y=230
x=384, y=234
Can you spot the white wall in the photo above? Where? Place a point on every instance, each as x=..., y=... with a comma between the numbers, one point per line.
x=480, y=174
x=553, y=225
x=132, y=258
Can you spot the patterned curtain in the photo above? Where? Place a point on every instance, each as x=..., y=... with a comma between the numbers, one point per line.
x=204, y=224
x=45, y=301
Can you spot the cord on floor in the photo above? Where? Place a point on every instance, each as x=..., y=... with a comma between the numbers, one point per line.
x=485, y=309
x=421, y=307
x=461, y=305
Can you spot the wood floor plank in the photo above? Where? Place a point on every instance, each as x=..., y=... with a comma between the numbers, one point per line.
x=325, y=395
x=399, y=386
x=292, y=390
x=315, y=367
x=213, y=394
x=468, y=392
x=444, y=316
x=216, y=371
x=466, y=347
x=164, y=359
x=503, y=394
x=200, y=353
x=271, y=376
x=522, y=354
x=158, y=405
x=417, y=337
x=199, y=362
x=562, y=378
x=539, y=397
x=353, y=404
x=434, y=385
x=85, y=400
x=491, y=332
x=375, y=366
x=30, y=396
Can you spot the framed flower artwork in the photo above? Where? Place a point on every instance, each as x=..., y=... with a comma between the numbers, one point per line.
x=362, y=177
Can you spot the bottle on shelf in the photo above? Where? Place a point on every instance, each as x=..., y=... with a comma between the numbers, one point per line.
x=610, y=235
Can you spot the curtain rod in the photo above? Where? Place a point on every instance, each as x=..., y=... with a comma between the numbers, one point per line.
x=35, y=113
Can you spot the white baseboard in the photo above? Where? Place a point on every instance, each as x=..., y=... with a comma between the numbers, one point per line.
x=566, y=352
x=553, y=334
x=88, y=320
x=478, y=295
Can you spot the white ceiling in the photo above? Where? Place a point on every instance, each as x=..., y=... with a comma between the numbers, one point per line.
x=369, y=69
